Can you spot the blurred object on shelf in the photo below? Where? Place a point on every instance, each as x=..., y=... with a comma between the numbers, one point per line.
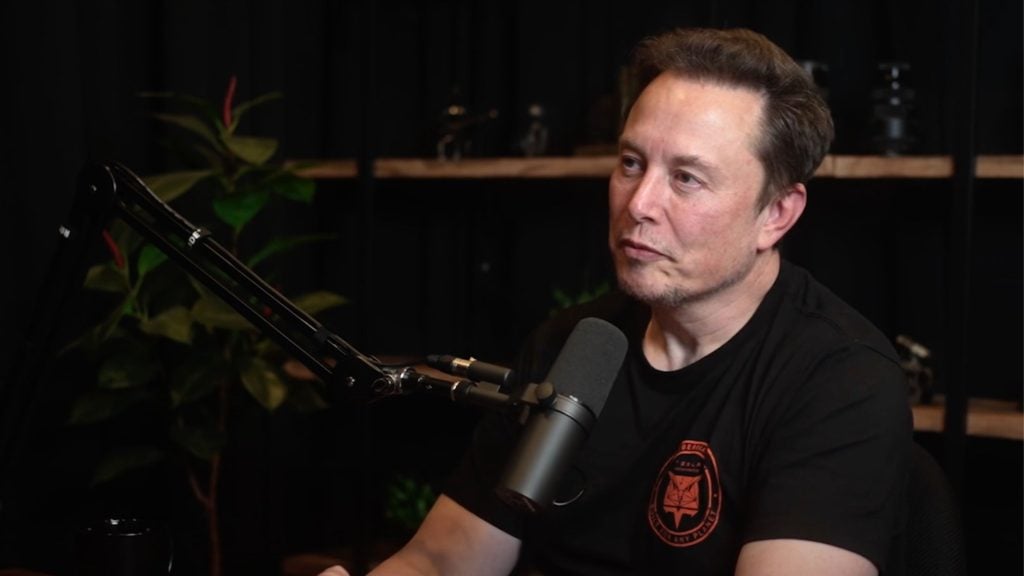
x=602, y=125
x=454, y=140
x=535, y=141
x=606, y=117
x=893, y=105
x=920, y=378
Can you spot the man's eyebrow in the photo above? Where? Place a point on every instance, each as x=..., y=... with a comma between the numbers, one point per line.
x=696, y=162
x=627, y=144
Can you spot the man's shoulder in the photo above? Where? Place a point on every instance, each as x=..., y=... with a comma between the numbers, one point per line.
x=818, y=315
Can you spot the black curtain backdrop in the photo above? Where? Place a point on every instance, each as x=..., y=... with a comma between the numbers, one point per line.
x=465, y=267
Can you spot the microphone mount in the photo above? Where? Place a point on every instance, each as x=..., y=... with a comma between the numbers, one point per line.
x=113, y=190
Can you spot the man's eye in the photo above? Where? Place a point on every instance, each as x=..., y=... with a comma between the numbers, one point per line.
x=687, y=179
x=630, y=163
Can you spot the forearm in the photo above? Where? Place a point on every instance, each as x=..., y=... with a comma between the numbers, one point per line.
x=414, y=559
x=453, y=542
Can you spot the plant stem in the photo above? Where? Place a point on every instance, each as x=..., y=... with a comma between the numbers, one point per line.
x=208, y=498
x=214, y=519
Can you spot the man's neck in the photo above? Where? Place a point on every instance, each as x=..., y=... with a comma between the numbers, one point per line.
x=679, y=336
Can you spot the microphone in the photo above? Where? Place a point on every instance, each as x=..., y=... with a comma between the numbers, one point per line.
x=571, y=399
x=472, y=369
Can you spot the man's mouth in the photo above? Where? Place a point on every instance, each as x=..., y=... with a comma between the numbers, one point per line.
x=636, y=250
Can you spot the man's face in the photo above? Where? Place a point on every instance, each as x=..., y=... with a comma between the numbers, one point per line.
x=683, y=198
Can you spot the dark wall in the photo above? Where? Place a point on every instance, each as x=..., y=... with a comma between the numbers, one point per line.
x=373, y=78
x=462, y=267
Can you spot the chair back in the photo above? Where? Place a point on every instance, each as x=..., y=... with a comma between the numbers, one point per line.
x=935, y=537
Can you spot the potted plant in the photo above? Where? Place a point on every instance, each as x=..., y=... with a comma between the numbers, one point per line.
x=407, y=499
x=169, y=349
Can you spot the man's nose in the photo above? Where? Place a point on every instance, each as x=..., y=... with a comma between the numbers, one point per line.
x=645, y=199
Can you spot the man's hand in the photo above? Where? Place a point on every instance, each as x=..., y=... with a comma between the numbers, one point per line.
x=452, y=541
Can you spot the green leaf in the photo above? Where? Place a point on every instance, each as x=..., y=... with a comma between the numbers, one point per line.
x=561, y=298
x=293, y=188
x=195, y=379
x=194, y=125
x=407, y=501
x=170, y=186
x=304, y=397
x=216, y=160
x=266, y=347
x=278, y=245
x=238, y=209
x=203, y=443
x=149, y=258
x=205, y=108
x=212, y=312
x=100, y=405
x=130, y=367
x=251, y=149
x=125, y=459
x=174, y=323
x=202, y=289
x=264, y=383
x=128, y=240
x=107, y=327
x=242, y=108
x=107, y=278
x=316, y=302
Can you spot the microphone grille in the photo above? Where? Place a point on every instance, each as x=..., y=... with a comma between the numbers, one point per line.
x=587, y=365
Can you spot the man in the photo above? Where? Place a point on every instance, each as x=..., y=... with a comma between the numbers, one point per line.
x=758, y=425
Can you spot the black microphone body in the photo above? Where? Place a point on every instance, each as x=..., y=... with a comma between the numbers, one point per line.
x=546, y=448
x=582, y=375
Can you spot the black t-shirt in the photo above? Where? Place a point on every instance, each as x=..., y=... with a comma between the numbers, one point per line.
x=797, y=427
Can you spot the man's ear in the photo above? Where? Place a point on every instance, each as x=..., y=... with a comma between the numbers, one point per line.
x=780, y=215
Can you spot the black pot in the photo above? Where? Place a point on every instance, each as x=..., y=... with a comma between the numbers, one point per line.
x=123, y=547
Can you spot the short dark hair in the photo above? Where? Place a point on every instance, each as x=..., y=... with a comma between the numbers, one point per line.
x=796, y=128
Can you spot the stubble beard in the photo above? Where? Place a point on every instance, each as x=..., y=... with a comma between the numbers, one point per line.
x=674, y=296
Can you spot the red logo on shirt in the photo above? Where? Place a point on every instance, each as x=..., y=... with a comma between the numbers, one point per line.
x=687, y=497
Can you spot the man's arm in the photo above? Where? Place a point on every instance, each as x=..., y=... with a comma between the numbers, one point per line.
x=789, y=557
x=452, y=541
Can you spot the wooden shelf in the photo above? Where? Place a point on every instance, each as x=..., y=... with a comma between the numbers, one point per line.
x=551, y=167
x=526, y=168
x=1001, y=166
x=327, y=169
x=985, y=417
x=923, y=167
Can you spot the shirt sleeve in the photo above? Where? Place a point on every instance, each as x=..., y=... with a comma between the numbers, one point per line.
x=835, y=467
x=473, y=482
